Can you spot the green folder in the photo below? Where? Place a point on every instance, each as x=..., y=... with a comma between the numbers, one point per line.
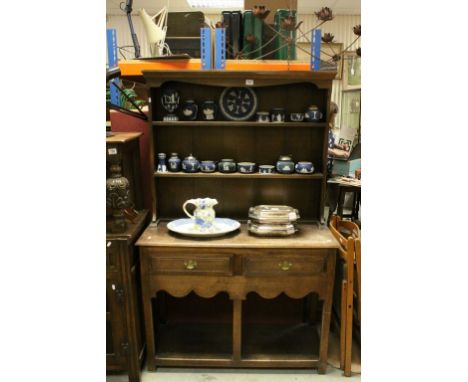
x=253, y=26
x=282, y=53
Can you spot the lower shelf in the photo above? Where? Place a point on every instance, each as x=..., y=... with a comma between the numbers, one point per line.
x=280, y=342
x=263, y=345
x=194, y=340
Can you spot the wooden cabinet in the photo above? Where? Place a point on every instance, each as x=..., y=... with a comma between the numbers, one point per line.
x=125, y=340
x=239, y=300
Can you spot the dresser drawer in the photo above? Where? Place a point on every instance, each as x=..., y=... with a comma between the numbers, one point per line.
x=290, y=265
x=187, y=264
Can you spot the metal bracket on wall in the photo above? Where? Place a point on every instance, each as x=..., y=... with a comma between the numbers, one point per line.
x=205, y=48
x=220, y=48
x=315, y=49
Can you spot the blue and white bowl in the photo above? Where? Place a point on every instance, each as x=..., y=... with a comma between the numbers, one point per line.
x=266, y=169
x=304, y=167
x=207, y=166
x=246, y=167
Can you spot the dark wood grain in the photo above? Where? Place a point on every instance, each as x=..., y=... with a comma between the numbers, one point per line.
x=125, y=338
x=222, y=301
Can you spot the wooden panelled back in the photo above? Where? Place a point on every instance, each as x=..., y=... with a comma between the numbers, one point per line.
x=248, y=141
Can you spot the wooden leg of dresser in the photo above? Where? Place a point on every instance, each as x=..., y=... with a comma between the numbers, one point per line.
x=326, y=314
x=149, y=327
x=237, y=330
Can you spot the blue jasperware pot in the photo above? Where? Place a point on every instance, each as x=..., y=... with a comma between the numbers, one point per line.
x=304, y=167
x=207, y=166
x=174, y=163
x=285, y=164
x=246, y=167
x=227, y=166
x=190, y=164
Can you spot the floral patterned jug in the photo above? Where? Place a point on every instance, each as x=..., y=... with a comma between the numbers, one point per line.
x=204, y=214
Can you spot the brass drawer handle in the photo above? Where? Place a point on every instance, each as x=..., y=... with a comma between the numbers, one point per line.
x=285, y=265
x=190, y=264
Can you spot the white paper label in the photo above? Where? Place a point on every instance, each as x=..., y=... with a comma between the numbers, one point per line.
x=112, y=151
x=249, y=82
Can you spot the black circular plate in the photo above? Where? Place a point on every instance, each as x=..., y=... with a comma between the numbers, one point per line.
x=238, y=104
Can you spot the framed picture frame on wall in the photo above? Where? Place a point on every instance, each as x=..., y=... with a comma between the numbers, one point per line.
x=351, y=113
x=351, y=71
x=327, y=51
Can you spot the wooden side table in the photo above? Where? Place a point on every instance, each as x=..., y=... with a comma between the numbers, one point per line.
x=236, y=265
x=125, y=341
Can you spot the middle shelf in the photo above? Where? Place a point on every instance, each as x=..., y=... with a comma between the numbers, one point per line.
x=235, y=175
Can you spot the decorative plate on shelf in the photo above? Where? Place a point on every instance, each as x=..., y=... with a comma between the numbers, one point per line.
x=186, y=227
x=238, y=104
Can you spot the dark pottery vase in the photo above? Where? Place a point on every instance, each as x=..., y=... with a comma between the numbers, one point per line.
x=174, y=163
x=209, y=110
x=189, y=110
x=227, y=166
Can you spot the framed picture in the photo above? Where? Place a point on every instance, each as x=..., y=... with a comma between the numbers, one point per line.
x=351, y=115
x=327, y=51
x=351, y=71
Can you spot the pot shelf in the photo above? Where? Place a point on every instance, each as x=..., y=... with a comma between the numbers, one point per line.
x=235, y=175
x=215, y=124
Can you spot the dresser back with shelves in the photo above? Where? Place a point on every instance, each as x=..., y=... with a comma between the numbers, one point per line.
x=261, y=143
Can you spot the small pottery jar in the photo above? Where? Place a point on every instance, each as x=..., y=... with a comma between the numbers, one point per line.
x=313, y=114
x=161, y=163
x=278, y=114
x=189, y=110
x=304, y=167
x=209, y=110
x=173, y=163
x=190, y=164
x=227, y=166
x=285, y=164
x=296, y=117
x=207, y=166
x=263, y=116
x=266, y=169
x=246, y=167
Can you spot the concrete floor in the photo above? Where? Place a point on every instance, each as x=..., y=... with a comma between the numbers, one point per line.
x=165, y=374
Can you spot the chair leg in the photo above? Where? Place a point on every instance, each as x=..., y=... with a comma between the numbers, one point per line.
x=343, y=324
x=349, y=326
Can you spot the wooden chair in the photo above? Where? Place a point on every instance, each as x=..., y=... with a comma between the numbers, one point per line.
x=349, y=236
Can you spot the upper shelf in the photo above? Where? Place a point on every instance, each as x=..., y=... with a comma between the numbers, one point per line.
x=130, y=68
x=240, y=124
x=255, y=175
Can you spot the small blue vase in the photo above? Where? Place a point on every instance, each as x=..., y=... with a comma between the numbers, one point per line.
x=161, y=163
x=174, y=163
